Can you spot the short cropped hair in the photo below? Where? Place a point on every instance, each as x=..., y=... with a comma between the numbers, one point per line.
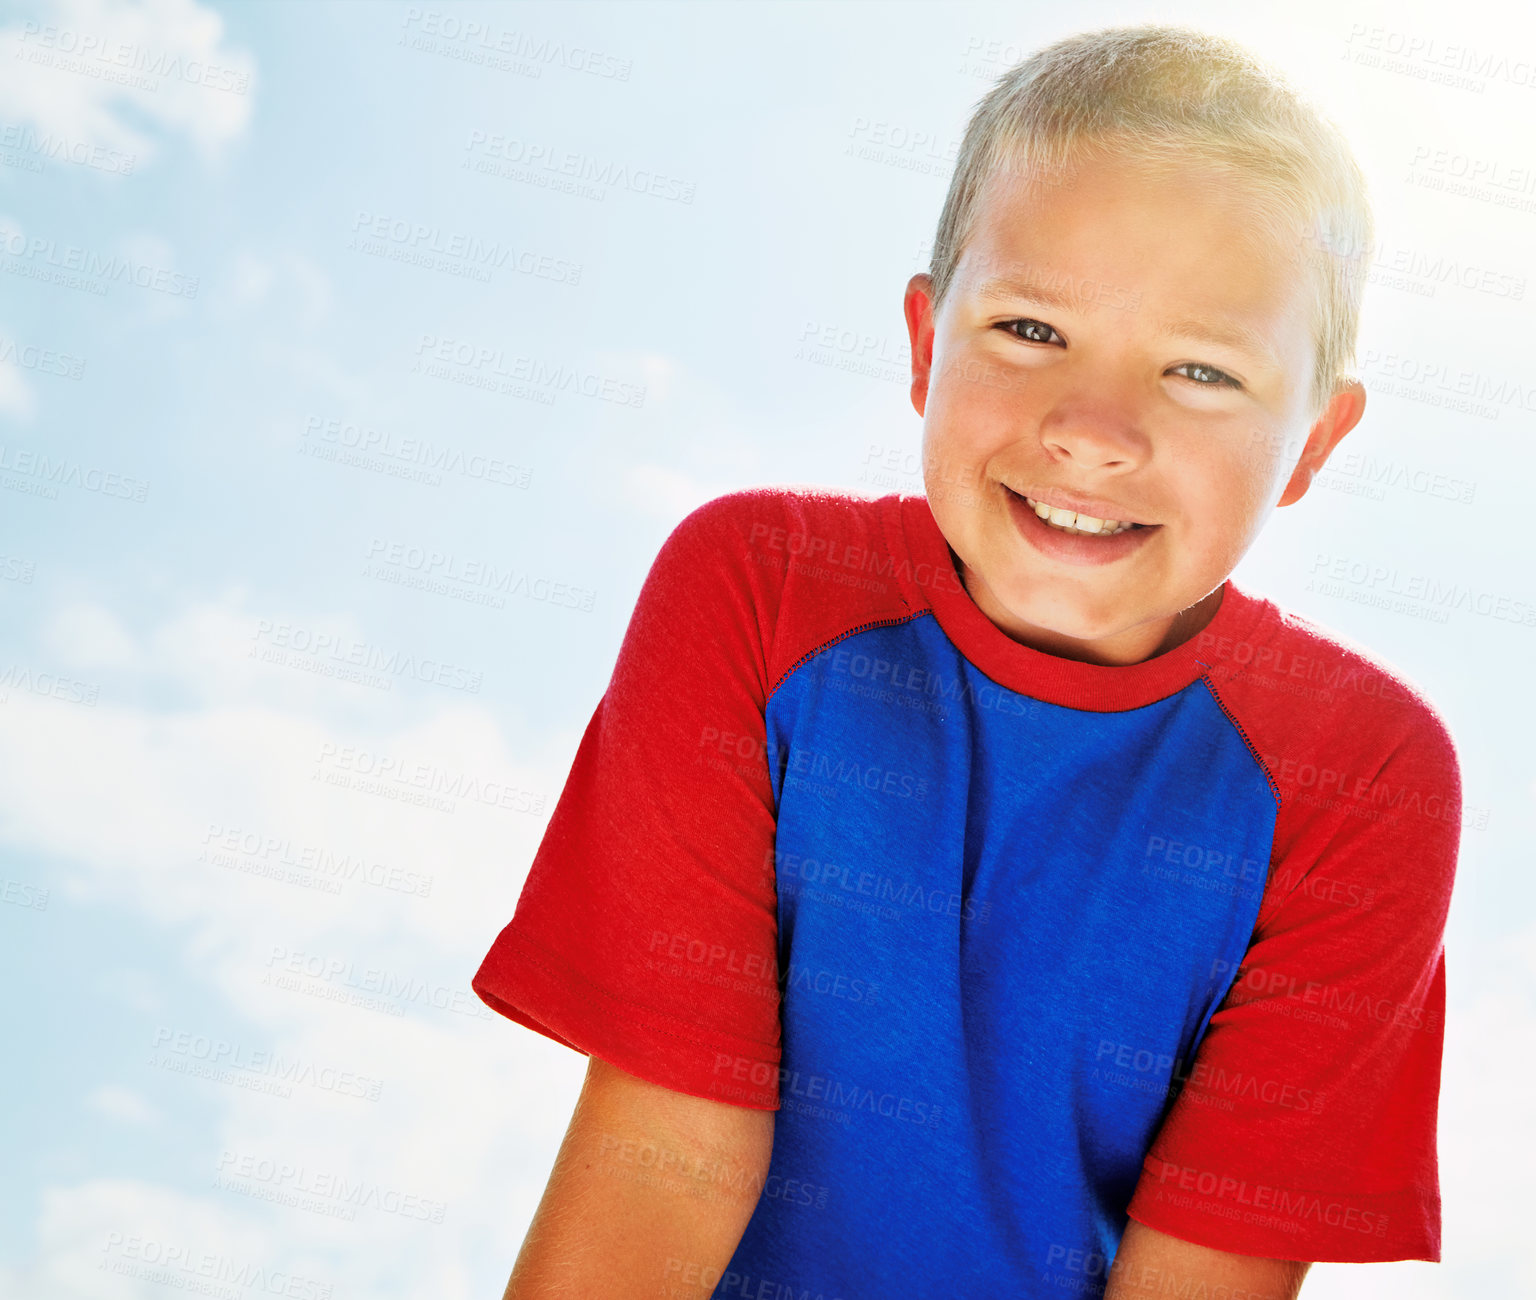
x=1167, y=97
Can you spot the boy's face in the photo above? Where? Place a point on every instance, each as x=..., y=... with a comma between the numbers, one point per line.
x=1093, y=392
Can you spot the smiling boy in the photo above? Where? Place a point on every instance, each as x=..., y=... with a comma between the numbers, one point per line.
x=965, y=894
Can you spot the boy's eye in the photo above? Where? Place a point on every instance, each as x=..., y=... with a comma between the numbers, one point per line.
x=1032, y=330
x=1222, y=377
x=1037, y=331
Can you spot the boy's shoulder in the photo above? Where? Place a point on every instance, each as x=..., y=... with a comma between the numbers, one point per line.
x=1333, y=722
x=807, y=563
x=1326, y=674
x=817, y=561
x=793, y=518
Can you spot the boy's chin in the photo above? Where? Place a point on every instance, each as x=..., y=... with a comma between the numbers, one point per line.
x=1072, y=622
x=1085, y=616
x=1076, y=626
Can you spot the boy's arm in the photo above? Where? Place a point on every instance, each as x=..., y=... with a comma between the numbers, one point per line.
x=1306, y=1124
x=1151, y=1263
x=649, y=1196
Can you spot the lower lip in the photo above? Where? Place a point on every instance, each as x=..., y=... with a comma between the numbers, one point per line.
x=1071, y=547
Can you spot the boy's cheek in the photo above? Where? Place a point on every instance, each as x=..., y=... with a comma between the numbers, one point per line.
x=957, y=444
x=981, y=376
x=1246, y=475
x=1213, y=526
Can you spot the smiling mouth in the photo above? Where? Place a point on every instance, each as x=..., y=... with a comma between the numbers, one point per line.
x=1074, y=521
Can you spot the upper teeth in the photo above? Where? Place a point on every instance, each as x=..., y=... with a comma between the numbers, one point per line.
x=1075, y=520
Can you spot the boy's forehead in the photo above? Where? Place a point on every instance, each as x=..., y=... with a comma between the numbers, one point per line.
x=1251, y=292
x=1129, y=196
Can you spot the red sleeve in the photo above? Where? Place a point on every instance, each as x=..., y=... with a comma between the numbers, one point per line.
x=646, y=931
x=1305, y=1128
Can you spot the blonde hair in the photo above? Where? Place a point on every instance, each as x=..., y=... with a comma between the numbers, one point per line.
x=1169, y=97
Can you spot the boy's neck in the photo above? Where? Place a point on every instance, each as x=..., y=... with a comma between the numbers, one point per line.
x=1185, y=624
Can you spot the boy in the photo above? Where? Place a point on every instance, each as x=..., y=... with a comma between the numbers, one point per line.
x=977, y=894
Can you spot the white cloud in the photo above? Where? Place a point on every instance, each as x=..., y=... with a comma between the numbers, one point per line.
x=122, y=1103
x=660, y=373
x=93, y=1236
x=73, y=68
x=16, y=396
x=289, y=282
x=88, y=636
x=250, y=278
x=155, y=783
x=17, y=399
x=473, y=1108
x=136, y=989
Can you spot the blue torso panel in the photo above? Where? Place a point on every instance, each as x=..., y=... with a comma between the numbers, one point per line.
x=1003, y=927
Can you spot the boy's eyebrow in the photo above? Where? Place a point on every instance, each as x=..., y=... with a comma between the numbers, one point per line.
x=1012, y=288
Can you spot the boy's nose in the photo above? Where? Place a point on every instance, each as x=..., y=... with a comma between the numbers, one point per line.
x=1094, y=436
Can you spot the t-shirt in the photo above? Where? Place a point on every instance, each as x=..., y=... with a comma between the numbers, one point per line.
x=1016, y=945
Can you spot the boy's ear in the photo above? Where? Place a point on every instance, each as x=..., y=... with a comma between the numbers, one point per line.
x=1341, y=415
x=918, y=306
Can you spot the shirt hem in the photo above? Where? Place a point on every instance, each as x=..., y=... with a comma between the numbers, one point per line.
x=1318, y=1227
x=525, y=982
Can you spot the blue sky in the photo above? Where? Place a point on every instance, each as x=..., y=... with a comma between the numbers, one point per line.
x=286, y=328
